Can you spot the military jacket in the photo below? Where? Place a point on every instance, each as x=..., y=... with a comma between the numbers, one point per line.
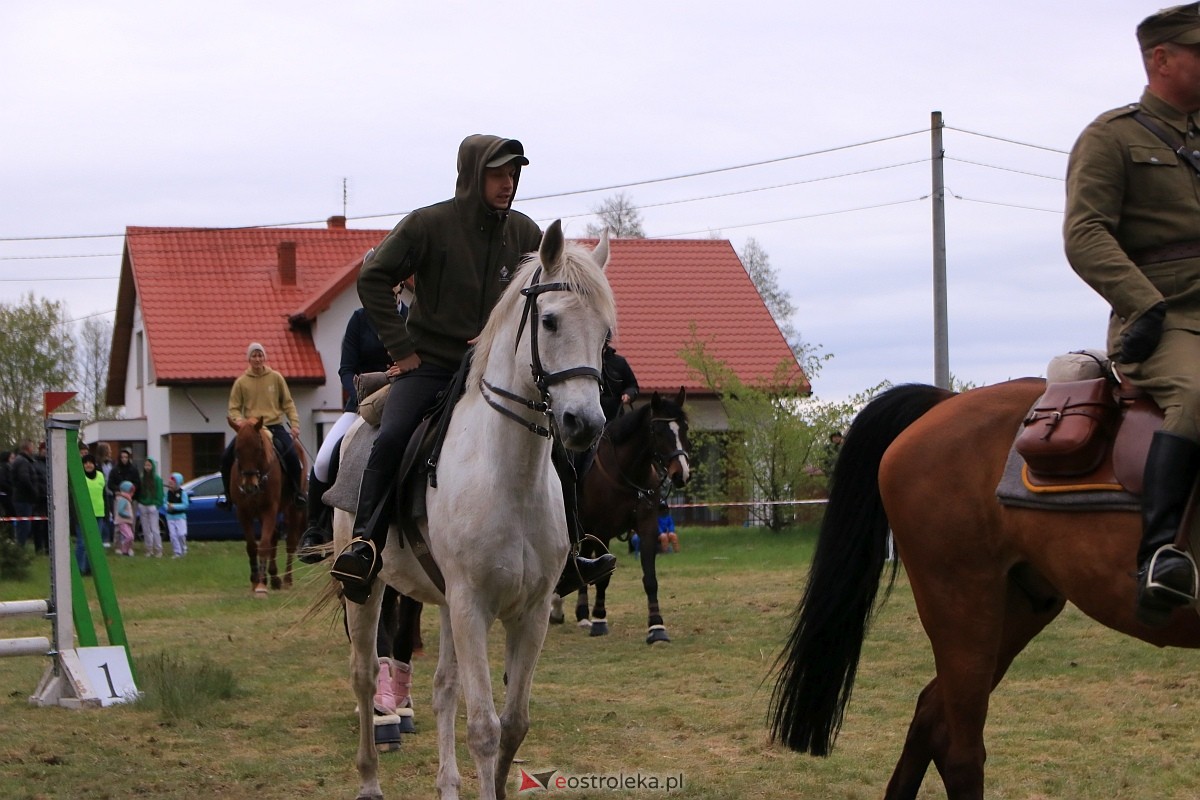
x=1128, y=192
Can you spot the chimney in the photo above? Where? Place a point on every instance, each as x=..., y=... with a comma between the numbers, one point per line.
x=287, y=263
x=337, y=223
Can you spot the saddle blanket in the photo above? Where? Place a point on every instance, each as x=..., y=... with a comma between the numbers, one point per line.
x=355, y=452
x=1015, y=491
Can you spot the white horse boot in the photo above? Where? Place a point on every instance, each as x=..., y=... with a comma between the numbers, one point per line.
x=385, y=695
x=402, y=690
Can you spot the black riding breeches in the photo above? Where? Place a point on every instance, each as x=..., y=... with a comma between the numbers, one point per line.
x=411, y=396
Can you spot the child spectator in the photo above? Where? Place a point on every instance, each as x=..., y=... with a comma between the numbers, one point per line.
x=668, y=542
x=149, y=499
x=123, y=517
x=177, y=506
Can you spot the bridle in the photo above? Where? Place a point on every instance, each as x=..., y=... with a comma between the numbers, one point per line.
x=261, y=475
x=542, y=379
x=660, y=462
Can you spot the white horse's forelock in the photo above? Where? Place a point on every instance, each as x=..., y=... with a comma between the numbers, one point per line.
x=578, y=271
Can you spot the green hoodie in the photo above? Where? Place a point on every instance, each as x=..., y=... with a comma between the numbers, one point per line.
x=463, y=254
x=151, y=493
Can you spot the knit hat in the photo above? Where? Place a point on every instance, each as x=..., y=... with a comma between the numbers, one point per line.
x=126, y=486
x=256, y=346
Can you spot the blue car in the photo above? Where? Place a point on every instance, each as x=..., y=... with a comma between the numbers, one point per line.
x=205, y=521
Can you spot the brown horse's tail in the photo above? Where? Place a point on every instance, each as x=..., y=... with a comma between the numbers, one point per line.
x=818, y=665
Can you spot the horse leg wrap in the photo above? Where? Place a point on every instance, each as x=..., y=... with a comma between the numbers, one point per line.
x=402, y=689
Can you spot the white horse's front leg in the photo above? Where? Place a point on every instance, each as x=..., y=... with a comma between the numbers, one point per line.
x=523, y=643
x=483, y=724
x=362, y=621
x=445, y=708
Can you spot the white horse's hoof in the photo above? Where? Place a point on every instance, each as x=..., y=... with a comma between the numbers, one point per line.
x=557, y=618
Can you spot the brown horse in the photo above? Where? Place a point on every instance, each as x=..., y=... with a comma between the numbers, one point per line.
x=986, y=577
x=641, y=455
x=260, y=491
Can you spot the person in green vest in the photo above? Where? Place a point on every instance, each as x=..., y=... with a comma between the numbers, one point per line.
x=94, y=481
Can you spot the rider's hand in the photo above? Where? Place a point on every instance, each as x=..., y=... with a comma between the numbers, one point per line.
x=403, y=365
x=1140, y=339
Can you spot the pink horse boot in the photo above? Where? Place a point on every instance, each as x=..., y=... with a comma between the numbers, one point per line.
x=402, y=690
x=385, y=695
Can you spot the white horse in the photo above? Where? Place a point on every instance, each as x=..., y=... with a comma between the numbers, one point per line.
x=496, y=524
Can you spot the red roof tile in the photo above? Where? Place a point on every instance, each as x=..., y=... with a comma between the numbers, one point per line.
x=206, y=293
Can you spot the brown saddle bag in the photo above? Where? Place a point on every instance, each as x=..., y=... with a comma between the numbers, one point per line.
x=1068, y=430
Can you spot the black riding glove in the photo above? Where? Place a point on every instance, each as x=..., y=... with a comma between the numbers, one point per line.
x=1141, y=338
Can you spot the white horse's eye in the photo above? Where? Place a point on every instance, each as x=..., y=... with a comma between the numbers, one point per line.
x=550, y=322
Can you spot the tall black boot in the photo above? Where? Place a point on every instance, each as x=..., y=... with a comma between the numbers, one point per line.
x=1166, y=575
x=292, y=467
x=320, y=531
x=579, y=571
x=358, y=564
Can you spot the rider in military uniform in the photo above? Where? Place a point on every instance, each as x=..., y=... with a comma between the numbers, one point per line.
x=1132, y=231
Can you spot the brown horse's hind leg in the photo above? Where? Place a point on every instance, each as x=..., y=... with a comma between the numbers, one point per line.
x=1031, y=604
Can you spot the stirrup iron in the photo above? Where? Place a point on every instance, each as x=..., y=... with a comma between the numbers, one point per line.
x=1161, y=589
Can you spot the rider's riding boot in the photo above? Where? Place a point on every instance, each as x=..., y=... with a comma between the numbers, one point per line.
x=358, y=564
x=580, y=572
x=1166, y=575
x=319, y=532
x=293, y=473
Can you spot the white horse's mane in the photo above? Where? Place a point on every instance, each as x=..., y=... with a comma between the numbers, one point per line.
x=578, y=271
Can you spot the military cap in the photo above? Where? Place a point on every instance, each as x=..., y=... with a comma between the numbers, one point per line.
x=1179, y=24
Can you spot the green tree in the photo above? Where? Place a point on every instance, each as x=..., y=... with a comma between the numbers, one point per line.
x=37, y=354
x=620, y=216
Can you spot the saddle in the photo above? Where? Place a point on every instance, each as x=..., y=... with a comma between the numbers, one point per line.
x=1088, y=435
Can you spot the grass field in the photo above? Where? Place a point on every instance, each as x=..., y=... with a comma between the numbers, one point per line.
x=255, y=703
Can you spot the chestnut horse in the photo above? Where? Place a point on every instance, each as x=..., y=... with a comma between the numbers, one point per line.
x=260, y=491
x=640, y=457
x=986, y=577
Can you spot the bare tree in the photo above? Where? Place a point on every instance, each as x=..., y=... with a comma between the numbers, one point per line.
x=36, y=354
x=95, y=342
x=620, y=216
x=757, y=264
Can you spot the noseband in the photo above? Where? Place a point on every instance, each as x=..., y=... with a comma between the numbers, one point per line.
x=542, y=379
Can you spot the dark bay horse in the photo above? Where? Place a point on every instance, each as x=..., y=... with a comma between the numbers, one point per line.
x=260, y=491
x=641, y=455
x=986, y=578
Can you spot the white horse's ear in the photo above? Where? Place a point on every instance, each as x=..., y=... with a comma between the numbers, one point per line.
x=551, y=251
x=600, y=254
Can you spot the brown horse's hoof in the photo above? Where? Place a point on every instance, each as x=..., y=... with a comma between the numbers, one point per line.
x=260, y=591
x=276, y=582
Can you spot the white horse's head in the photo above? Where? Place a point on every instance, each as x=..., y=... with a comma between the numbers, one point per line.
x=552, y=320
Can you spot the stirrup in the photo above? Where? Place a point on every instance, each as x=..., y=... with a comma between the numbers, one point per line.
x=349, y=578
x=1170, y=594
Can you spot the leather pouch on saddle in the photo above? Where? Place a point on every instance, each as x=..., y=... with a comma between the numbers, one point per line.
x=372, y=391
x=1069, y=428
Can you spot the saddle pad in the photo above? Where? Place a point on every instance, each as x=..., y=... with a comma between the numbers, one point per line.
x=355, y=452
x=1015, y=490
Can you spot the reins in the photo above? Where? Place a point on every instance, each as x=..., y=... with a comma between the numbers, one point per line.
x=659, y=462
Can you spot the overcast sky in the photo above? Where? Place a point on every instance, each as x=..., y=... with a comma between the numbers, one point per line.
x=253, y=113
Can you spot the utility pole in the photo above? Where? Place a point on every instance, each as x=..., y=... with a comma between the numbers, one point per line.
x=941, y=345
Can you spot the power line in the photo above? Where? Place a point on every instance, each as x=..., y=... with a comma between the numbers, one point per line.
x=1009, y=141
x=794, y=219
x=1007, y=205
x=551, y=196
x=1007, y=169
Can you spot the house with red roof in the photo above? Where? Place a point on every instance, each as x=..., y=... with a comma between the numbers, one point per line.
x=191, y=299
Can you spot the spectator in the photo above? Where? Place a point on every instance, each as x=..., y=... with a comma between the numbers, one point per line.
x=177, y=506
x=104, y=463
x=125, y=470
x=668, y=541
x=150, y=498
x=95, y=487
x=28, y=489
x=41, y=508
x=123, y=518
x=6, y=507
